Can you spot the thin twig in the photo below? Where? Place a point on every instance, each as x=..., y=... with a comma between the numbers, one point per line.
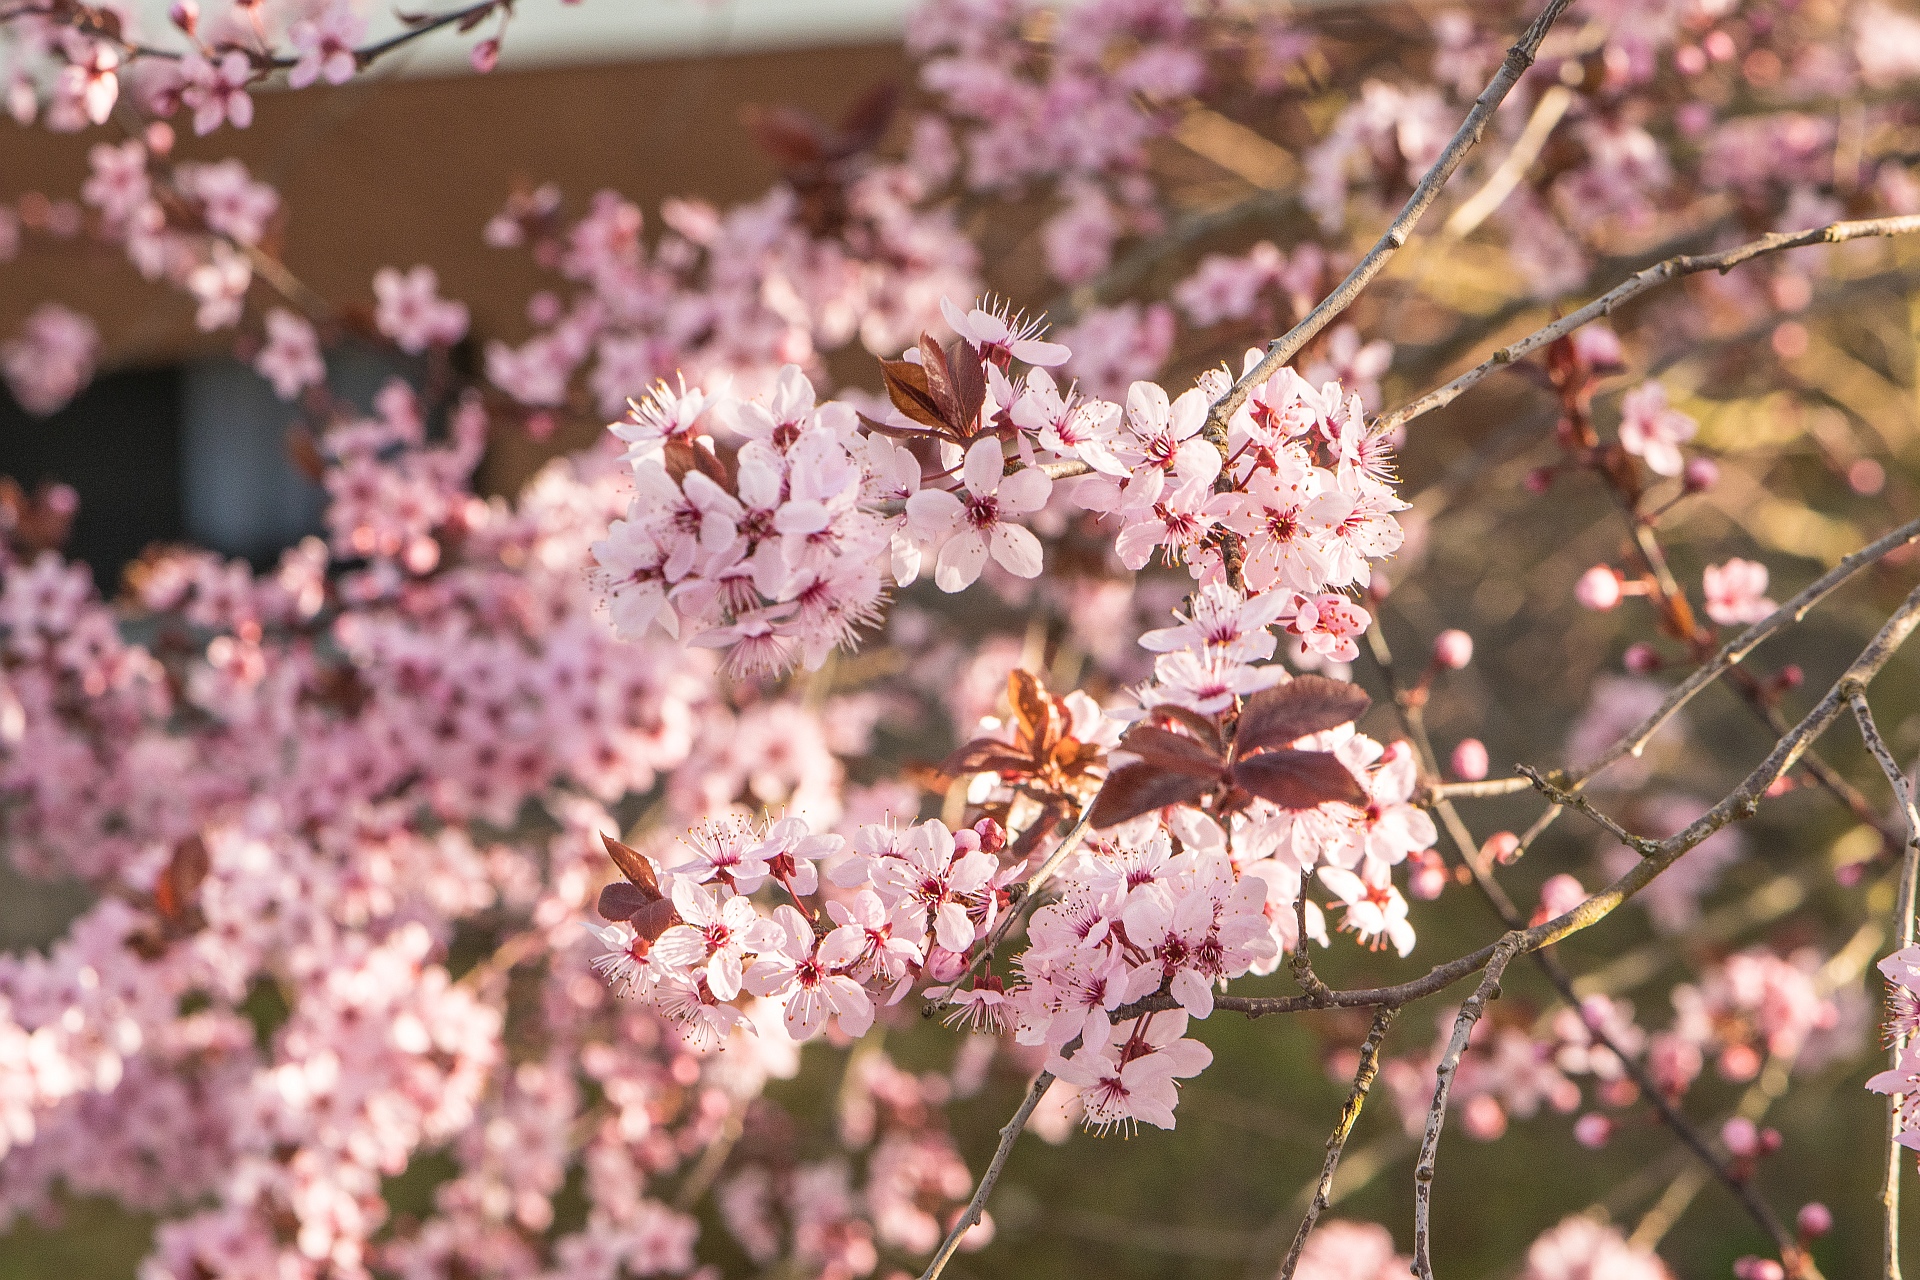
x=1658, y=274
x=1423, y=1169
x=1284, y=348
x=1903, y=925
x=1008, y=1134
x=1337, y=1140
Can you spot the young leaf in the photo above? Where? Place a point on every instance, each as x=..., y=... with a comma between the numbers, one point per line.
x=1029, y=702
x=1204, y=729
x=969, y=385
x=907, y=388
x=941, y=387
x=984, y=755
x=634, y=866
x=1141, y=788
x=1298, y=779
x=1288, y=712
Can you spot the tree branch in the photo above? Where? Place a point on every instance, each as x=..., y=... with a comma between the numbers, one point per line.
x=1343, y=1129
x=1284, y=348
x=1903, y=925
x=1658, y=274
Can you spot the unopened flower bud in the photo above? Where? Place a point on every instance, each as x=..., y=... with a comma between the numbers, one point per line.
x=1599, y=588
x=1592, y=1130
x=1470, y=760
x=185, y=14
x=1815, y=1220
x=1741, y=1137
x=1758, y=1269
x=1453, y=649
x=1502, y=846
x=1701, y=474
x=1770, y=1141
x=1539, y=480
x=1428, y=877
x=1790, y=677
x=1641, y=659
x=993, y=836
x=486, y=55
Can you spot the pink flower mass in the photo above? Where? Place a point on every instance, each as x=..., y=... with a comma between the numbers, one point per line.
x=1027, y=643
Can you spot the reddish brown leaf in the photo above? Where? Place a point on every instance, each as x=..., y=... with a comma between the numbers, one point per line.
x=654, y=919
x=897, y=433
x=1286, y=713
x=1141, y=788
x=984, y=755
x=1165, y=749
x=969, y=385
x=621, y=900
x=867, y=119
x=1030, y=703
x=907, y=388
x=634, y=866
x=186, y=870
x=941, y=386
x=304, y=452
x=1298, y=779
x=1204, y=729
x=792, y=137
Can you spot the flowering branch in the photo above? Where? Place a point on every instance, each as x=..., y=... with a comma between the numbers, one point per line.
x=1282, y=349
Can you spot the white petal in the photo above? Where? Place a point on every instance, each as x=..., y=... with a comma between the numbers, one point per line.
x=1017, y=550
x=983, y=467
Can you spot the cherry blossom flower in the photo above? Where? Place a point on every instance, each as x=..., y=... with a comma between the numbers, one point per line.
x=1002, y=338
x=51, y=359
x=290, y=360
x=968, y=530
x=1737, y=592
x=806, y=974
x=412, y=313
x=326, y=46
x=1654, y=430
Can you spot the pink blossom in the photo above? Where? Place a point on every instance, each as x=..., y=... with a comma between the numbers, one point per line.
x=412, y=313
x=51, y=359
x=290, y=360
x=968, y=530
x=1655, y=431
x=1737, y=592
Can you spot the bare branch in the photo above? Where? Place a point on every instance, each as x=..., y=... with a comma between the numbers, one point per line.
x=1008, y=1134
x=1903, y=925
x=1337, y=1140
x=1658, y=274
x=1489, y=989
x=1284, y=348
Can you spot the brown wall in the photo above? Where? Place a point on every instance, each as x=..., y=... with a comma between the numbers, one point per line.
x=401, y=171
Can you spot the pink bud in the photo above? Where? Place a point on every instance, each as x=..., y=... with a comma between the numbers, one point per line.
x=1599, y=588
x=1701, y=474
x=1770, y=1141
x=185, y=14
x=160, y=138
x=1470, y=760
x=1790, y=677
x=944, y=965
x=1849, y=874
x=1453, y=649
x=1741, y=1137
x=1641, y=659
x=1592, y=1130
x=1815, y=1220
x=1485, y=1119
x=1503, y=847
x=1539, y=480
x=486, y=55
x=1758, y=1269
x=993, y=836
x=1428, y=877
